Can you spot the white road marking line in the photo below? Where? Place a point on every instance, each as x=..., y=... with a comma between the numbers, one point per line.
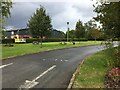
x=61, y=60
x=30, y=84
x=65, y=60
x=2, y=66
x=43, y=59
x=56, y=59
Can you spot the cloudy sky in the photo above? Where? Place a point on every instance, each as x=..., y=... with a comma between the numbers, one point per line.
x=61, y=11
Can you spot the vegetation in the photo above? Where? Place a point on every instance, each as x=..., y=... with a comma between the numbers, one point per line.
x=71, y=34
x=93, y=70
x=22, y=49
x=109, y=16
x=40, y=24
x=102, y=69
x=88, y=30
x=80, y=30
x=5, y=5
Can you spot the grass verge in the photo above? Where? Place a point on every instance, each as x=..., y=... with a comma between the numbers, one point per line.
x=22, y=49
x=93, y=70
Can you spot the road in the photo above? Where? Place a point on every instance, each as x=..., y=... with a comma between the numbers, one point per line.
x=51, y=69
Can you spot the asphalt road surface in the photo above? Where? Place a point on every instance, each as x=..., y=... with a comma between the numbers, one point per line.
x=51, y=69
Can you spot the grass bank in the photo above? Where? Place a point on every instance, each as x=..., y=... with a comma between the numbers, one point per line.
x=93, y=70
x=22, y=49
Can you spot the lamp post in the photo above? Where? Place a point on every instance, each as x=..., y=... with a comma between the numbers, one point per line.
x=67, y=31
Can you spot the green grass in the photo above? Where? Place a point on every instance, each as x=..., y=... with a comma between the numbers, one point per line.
x=22, y=49
x=92, y=71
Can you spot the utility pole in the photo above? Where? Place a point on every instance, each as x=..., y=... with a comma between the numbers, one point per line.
x=67, y=31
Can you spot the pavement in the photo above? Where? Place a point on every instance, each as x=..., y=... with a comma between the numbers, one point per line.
x=50, y=69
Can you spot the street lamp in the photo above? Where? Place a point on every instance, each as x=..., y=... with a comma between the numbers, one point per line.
x=67, y=31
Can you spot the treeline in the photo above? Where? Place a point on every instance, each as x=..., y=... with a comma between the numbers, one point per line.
x=87, y=30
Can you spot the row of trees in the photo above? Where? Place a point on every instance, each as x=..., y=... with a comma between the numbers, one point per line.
x=87, y=30
x=108, y=15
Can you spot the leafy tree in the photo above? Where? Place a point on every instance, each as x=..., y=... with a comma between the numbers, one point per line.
x=71, y=34
x=80, y=30
x=90, y=26
x=95, y=33
x=5, y=6
x=40, y=24
x=109, y=16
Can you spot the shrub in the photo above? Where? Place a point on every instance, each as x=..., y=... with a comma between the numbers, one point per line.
x=5, y=41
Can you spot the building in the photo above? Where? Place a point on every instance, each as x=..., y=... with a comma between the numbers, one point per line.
x=21, y=33
x=25, y=33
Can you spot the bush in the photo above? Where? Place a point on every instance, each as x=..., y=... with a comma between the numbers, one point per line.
x=30, y=40
x=96, y=39
x=5, y=41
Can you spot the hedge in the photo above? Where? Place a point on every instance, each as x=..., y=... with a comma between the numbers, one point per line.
x=55, y=40
x=30, y=40
x=5, y=41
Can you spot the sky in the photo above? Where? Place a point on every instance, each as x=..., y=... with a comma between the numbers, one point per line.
x=60, y=11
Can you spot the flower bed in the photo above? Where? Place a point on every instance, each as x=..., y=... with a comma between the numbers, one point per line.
x=113, y=78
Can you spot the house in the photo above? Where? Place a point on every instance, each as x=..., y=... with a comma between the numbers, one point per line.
x=25, y=33
x=20, y=33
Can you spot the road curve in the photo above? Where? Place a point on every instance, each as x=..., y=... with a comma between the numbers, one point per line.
x=51, y=69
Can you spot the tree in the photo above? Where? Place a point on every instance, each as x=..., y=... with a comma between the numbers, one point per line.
x=40, y=24
x=95, y=33
x=5, y=6
x=109, y=16
x=80, y=30
x=89, y=26
x=71, y=34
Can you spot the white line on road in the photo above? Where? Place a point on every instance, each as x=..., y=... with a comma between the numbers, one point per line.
x=65, y=60
x=43, y=59
x=44, y=72
x=56, y=59
x=2, y=66
x=61, y=60
x=30, y=84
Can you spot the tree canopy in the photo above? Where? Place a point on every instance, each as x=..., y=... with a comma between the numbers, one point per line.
x=40, y=24
x=109, y=16
x=80, y=30
x=5, y=5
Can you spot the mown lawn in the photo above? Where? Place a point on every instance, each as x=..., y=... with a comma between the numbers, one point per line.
x=93, y=70
x=22, y=49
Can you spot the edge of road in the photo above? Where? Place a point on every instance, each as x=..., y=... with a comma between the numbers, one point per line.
x=74, y=75
x=46, y=51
